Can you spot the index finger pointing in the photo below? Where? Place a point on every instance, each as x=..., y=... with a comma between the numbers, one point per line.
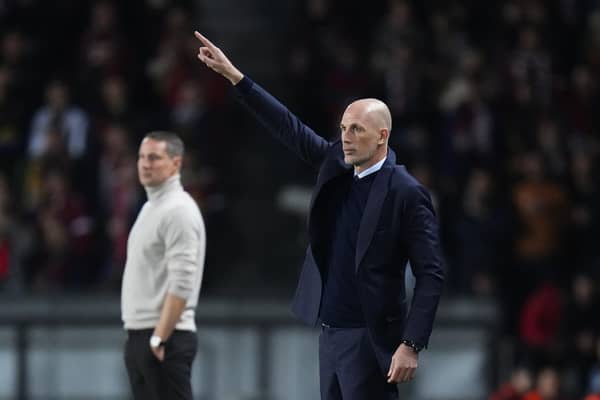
x=204, y=40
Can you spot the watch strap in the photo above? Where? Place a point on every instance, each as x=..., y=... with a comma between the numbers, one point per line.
x=416, y=347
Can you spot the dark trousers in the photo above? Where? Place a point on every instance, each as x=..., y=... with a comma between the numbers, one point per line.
x=348, y=367
x=155, y=380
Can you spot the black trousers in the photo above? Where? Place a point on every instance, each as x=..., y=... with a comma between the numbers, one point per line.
x=152, y=379
x=348, y=367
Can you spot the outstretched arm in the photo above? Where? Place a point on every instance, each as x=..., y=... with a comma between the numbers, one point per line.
x=273, y=115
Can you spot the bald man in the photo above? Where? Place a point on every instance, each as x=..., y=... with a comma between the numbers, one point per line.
x=368, y=217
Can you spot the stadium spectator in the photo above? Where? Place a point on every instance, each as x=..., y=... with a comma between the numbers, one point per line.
x=547, y=385
x=120, y=198
x=580, y=327
x=516, y=387
x=58, y=121
x=103, y=50
x=172, y=66
x=541, y=211
x=63, y=231
x=585, y=213
x=480, y=233
x=540, y=323
x=11, y=121
x=114, y=104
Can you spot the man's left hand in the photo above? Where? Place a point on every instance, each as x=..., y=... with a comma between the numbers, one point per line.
x=159, y=352
x=403, y=366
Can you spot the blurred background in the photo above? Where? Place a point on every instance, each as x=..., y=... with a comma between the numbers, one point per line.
x=496, y=110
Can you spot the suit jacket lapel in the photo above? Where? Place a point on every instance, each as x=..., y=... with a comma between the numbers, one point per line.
x=335, y=167
x=372, y=211
x=331, y=168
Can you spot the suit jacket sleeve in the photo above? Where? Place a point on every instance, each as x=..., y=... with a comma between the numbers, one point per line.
x=425, y=256
x=281, y=123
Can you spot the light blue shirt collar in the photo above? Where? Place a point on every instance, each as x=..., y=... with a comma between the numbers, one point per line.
x=373, y=168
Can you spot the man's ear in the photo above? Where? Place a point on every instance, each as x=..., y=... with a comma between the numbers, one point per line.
x=177, y=160
x=384, y=135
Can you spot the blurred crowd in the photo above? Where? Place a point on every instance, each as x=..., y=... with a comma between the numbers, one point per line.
x=80, y=84
x=495, y=108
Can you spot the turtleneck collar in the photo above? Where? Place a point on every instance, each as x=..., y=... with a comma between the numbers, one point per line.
x=172, y=183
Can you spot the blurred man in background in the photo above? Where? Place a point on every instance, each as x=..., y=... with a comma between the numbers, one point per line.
x=367, y=219
x=163, y=273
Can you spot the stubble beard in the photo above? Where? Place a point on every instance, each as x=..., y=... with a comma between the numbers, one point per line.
x=356, y=161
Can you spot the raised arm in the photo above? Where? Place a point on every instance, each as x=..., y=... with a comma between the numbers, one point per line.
x=273, y=115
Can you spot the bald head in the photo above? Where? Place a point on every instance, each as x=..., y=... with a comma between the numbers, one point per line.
x=365, y=130
x=375, y=111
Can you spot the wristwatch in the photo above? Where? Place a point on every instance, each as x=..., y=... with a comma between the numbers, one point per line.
x=415, y=347
x=156, y=342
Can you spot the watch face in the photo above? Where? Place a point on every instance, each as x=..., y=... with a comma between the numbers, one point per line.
x=155, y=341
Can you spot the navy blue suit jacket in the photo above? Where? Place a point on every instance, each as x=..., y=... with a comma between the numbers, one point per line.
x=398, y=225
